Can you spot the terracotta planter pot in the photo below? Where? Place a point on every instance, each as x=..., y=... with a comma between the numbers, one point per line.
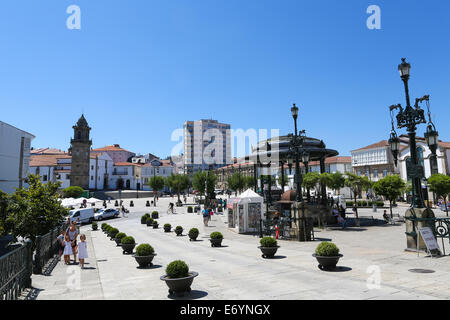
x=144, y=261
x=268, y=252
x=180, y=286
x=327, y=263
x=216, y=242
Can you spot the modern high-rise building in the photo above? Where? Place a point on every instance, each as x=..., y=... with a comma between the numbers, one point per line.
x=207, y=145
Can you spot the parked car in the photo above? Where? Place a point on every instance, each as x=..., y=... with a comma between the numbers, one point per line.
x=106, y=213
x=86, y=215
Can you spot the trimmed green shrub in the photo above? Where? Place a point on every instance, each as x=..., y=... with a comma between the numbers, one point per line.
x=167, y=226
x=72, y=192
x=216, y=235
x=268, y=242
x=107, y=229
x=149, y=221
x=177, y=269
x=349, y=203
x=327, y=249
x=144, y=249
x=104, y=224
x=155, y=222
x=190, y=209
x=128, y=240
x=112, y=232
x=94, y=225
x=155, y=214
x=144, y=218
x=179, y=228
x=120, y=235
x=193, y=233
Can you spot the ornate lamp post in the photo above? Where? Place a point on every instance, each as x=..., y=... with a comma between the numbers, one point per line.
x=409, y=118
x=295, y=148
x=305, y=160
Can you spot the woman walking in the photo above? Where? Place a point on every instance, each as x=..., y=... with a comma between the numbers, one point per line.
x=72, y=232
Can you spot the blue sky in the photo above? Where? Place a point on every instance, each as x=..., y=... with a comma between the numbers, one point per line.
x=138, y=69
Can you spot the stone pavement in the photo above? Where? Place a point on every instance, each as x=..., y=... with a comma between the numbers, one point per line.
x=237, y=270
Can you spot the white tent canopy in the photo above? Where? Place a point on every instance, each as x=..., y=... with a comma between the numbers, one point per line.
x=247, y=212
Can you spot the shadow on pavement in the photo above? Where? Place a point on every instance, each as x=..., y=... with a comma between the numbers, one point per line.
x=194, y=294
x=154, y=266
x=337, y=269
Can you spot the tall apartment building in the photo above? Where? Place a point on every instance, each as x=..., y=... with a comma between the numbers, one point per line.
x=206, y=142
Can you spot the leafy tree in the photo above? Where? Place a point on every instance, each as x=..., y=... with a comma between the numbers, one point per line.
x=5, y=226
x=440, y=185
x=199, y=182
x=156, y=183
x=236, y=182
x=35, y=210
x=178, y=183
x=390, y=187
x=249, y=182
x=310, y=180
x=337, y=181
x=72, y=192
x=357, y=184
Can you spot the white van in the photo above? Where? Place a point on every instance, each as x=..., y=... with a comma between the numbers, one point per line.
x=86, y=215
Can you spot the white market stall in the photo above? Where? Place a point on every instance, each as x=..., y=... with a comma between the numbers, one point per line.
x=246, y=212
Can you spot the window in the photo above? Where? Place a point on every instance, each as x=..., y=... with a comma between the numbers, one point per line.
x=375, y=173
x=44, y=178
x=92, y=178
x=92, y=167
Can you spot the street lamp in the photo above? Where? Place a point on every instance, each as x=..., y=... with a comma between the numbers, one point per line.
x=295, y=147
x=409, y=118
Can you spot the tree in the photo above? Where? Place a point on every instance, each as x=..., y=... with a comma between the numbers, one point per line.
x=337, y=181
x=390, y=187
x=35, y=210
x=199, y=182
x=310, y=180
x=156, y=183
x=357, y=184
x=236, y=182
x=178, y=183
x=440, y=185
x=5, y=226
x=72, y=192
x=249, y=182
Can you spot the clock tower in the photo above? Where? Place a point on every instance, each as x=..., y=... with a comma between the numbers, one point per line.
x=80, y=150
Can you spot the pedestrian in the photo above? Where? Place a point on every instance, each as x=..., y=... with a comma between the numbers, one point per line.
x=67, y=249
x=78, y=224
x=341, y=221
x=61, y=242
x=211, y=213
x=72, y=233
x=205, y=217
x=199, y=208
x=82, y=250
x=386, y=217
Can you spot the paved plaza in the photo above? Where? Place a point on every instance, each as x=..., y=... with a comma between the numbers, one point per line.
x=237, y=271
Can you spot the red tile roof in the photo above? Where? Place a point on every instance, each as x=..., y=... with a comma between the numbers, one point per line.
x=382, y=143
x=125, y=164
x=115, y=147
x=47, y=151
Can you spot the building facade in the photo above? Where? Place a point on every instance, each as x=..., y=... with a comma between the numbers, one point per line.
x=206, y=142
x=116, y=153
x=14, y=157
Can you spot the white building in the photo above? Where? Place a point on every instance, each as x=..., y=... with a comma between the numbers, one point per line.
x=57, y=167
x=206, y=142
x=14, y=156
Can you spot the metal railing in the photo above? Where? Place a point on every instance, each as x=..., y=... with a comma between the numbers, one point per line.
x=15, y=272
x=439, y=226
x=46, y=248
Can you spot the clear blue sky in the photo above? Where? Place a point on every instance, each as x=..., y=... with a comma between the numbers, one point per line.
x=138, y=69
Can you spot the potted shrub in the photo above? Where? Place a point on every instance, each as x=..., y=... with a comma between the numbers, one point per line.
x=106, y=228
x=178, y=230
x=327, y=254
x=112, y=233
x=103, y=226
x=149, y=222
x=131, y=203
x=268, y=247
x=155, y=215
x=178, y=277
x=167, y=227
x=116, y=203
x=94, y=226
x=147, y=204
x=216, y=239
x=144, y=255
x=144, y=218
x=193, y=234
x=119, y=237
x=155, y=224
x=190, y=209
x=128, y=244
